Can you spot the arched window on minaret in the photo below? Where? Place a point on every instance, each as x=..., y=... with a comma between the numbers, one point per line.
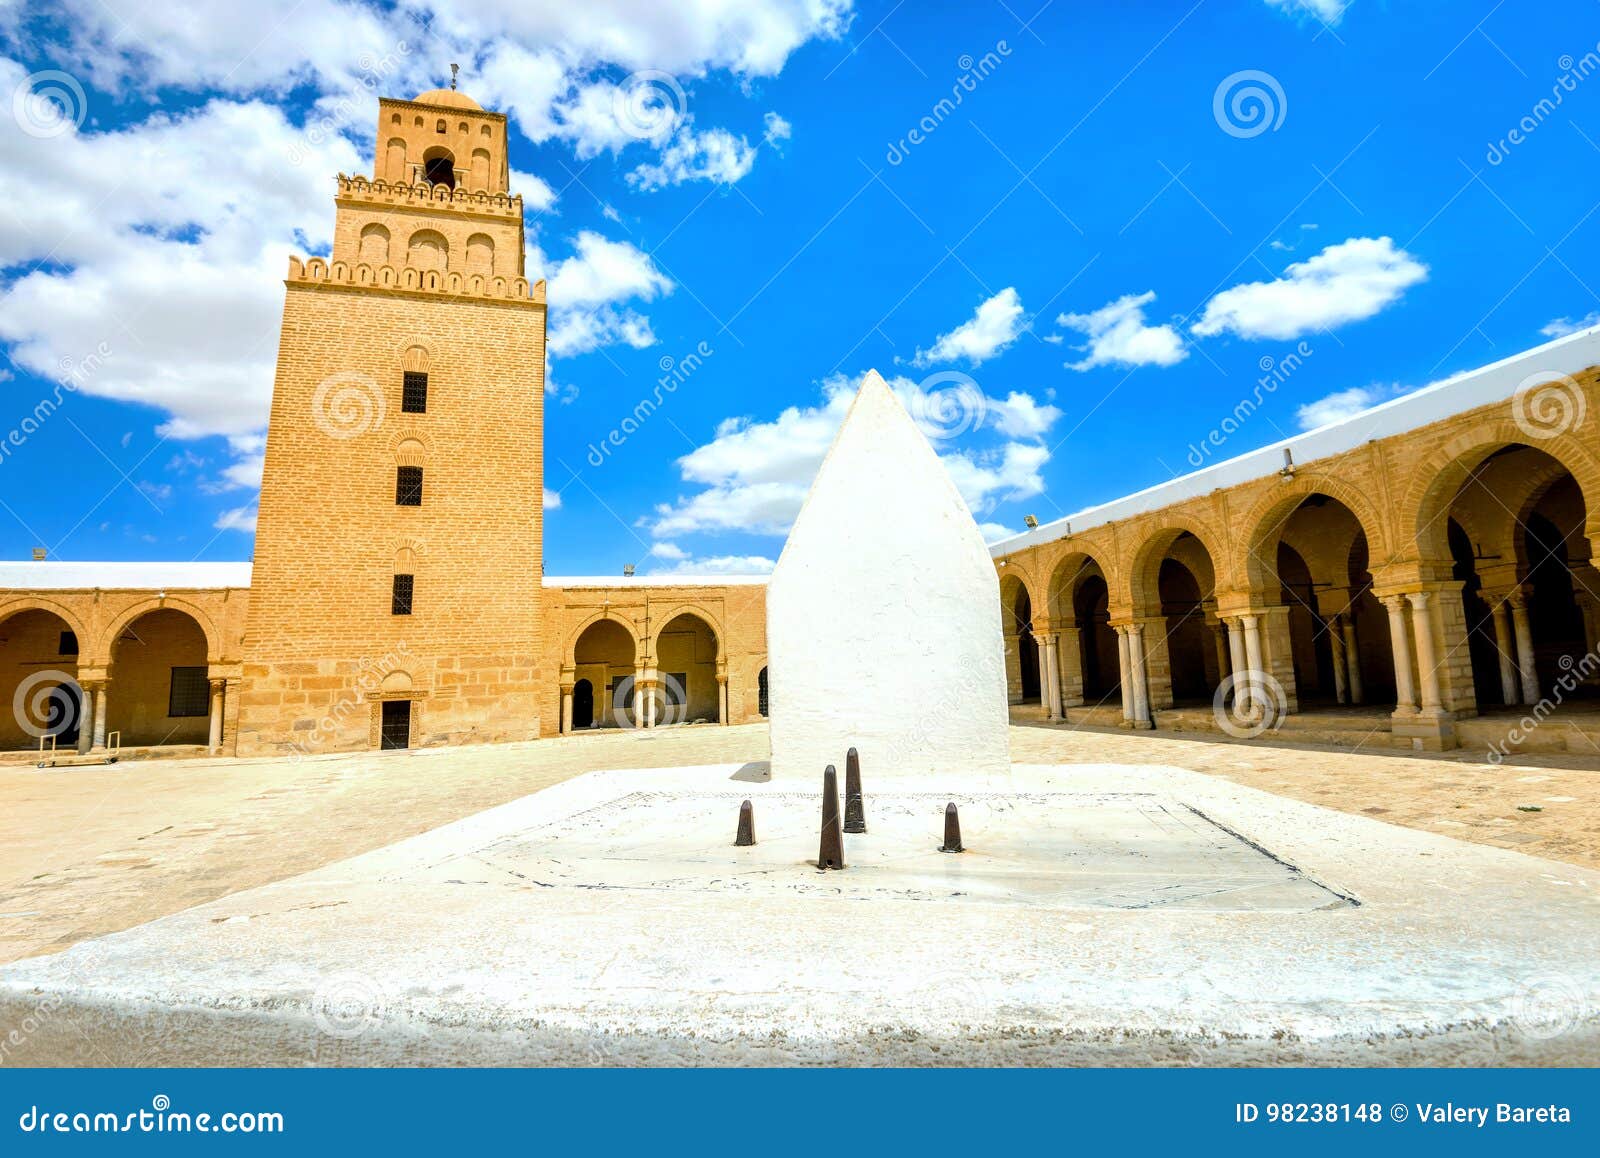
x=428, y=250
x=439, y=167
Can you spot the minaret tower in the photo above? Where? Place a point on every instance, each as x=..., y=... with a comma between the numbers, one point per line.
x=394, y=600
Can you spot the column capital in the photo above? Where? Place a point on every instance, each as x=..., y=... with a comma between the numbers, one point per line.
x=1518, y=598
x=1419, y=599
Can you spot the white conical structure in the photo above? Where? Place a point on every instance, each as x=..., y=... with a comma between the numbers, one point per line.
x=883, y=614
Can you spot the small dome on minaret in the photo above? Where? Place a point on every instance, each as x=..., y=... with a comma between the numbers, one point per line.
x=449, y=97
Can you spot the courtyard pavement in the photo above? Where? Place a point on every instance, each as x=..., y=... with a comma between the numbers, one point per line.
x=90, y=851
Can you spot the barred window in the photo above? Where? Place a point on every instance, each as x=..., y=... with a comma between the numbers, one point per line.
x=408, y=486
x=69, y=643
x=414, y=392
x=190, y=692
x=400, y=603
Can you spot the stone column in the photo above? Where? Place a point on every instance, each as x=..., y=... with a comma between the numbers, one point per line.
x=1352, y=656
x=1252, y=660
x=1049, y=676
x=214, y=743
x=100, y=715
x=1524, y=634
x=1123, y=670
x=1139, y=677
x=1069, y=664
x=566, y=709
x=86, y=718
x=1400, y=641
x=1013, y=667
x=1507, y=649
x=1219, y=637
x=722, y=698
x=641, y=703
x=1340, y=660
x=1427, y=654
x=1237, y=663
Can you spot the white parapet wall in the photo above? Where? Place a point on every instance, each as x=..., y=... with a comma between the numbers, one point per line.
x=883, y=614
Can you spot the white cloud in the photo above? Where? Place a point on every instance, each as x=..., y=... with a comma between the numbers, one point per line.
x=587, y=292
x=777, y=129
x=552, y=499
x=1561, y=327
x=997, y=324
x=237, y=519
x=1119, y=336
x=720, y=565
x=1344, y=283
x=994, y=532
x=1327, y=11
x=1343, y=404
x=714, y=155
x=670, y=551
x=756, y=474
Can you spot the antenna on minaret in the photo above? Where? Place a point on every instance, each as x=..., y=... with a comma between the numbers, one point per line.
x=454, y=68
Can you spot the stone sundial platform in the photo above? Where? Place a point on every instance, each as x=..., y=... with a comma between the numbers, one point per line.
x=1118, y=915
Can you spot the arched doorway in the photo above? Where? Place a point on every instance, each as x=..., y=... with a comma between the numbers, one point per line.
x=1308, y=566
x=1173, y=588
x=1515, y=534
x=603, y=656
x=39, y=692
x=159, y=691
x=1102, y=672
x=1022, y=650
x=686, y=662
x=583, y=704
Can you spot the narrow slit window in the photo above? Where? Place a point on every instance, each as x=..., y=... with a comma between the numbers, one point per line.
x=408, y=486
x=69, y=643
x=400, y=603
x=414, y=392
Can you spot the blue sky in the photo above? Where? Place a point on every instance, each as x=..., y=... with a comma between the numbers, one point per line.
x=1073, y=273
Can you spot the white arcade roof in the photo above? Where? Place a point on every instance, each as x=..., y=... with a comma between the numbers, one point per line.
x=1466, y=391
x=57, y=575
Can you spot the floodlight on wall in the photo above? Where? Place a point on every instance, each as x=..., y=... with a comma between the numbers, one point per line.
x=1288, y=464
x=627, y=570
x=1030, y=522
